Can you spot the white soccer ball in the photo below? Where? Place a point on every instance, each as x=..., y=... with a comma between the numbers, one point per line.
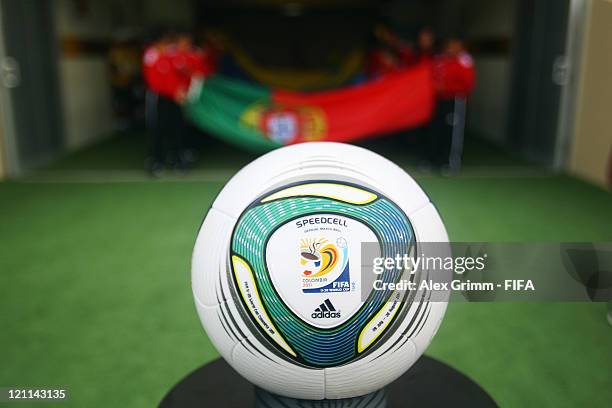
x=277, y=280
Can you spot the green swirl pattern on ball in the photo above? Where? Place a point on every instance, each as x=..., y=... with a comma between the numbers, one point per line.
x=315, y=346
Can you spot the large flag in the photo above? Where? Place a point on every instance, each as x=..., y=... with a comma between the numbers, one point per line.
x=257, y=118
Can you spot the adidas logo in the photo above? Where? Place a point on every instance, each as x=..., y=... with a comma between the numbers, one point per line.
x=326, y=311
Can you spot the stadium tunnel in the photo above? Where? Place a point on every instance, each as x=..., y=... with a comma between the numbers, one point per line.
x=531, y=101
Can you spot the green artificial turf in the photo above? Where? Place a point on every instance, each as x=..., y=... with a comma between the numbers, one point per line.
x=127, y=151
x=95, y=287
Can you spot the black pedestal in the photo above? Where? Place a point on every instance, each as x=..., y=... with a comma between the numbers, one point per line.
x=429, y=383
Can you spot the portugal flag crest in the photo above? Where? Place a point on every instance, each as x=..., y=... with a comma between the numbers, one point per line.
x=286, y=124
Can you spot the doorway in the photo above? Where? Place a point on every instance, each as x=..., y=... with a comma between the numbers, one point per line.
x=540, y=71
x=29, y=80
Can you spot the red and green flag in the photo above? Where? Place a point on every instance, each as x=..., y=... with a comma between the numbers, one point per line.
x=258, y=118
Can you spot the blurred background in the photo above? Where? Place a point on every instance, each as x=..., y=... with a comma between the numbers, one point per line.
x=94, y=265
x=71, y=70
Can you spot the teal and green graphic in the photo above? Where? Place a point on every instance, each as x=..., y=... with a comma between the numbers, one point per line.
x=318, y=347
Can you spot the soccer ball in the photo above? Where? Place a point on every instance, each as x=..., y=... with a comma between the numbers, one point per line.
x=277, y=280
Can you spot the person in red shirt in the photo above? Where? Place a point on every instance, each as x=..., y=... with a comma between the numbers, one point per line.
x=390, y=54
x=426, y=39
x=190, y=63
x=454, y=78
x=169, y=65
x=380, y=61
x=394, y=53
x=454, y=73
x=156, y=70
x=159, y=71
x=381, y=58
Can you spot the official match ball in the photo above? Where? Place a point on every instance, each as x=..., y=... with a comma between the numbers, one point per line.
x=278, y=279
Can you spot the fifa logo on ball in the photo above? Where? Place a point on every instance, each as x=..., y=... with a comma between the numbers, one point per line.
x=317, y=256
x=310, y=257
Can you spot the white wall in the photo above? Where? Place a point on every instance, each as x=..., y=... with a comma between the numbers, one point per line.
x=84, y=81
x=488, y=107
x=85, y=85
x=86, y=95
x=591, y=147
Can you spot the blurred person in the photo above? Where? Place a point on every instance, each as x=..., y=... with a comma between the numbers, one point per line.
x=390, y=53
x=454, y=77
x=192, y=62
x=159, y=107
x=159, y=75
x=169, y=65
x=454, y=72
x=380, y=59
x=424, y=53
x=397, y=53
x=126, y=80
x=426, y=40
